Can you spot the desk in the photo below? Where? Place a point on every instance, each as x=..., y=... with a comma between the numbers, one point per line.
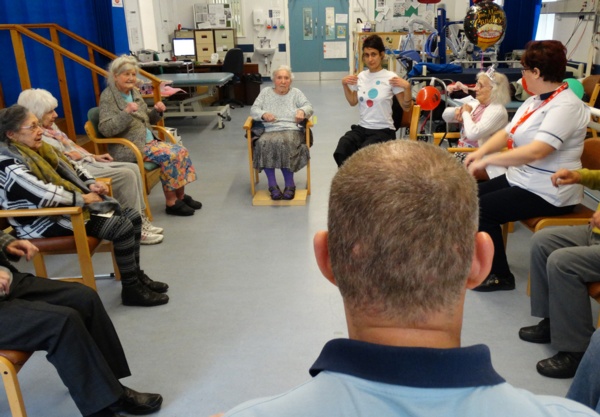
x=193, y=106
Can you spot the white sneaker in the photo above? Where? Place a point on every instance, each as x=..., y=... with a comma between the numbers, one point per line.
x=148, y=227
x=150, y=238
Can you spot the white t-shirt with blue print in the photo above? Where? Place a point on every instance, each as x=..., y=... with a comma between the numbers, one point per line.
x=375, y=96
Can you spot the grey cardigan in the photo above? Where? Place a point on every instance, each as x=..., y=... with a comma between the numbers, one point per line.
x=114, y=122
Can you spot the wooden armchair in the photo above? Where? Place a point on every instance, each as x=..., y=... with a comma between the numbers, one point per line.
x=262, y=197
x=11, y=362
x=79, y=243
x=150, y=171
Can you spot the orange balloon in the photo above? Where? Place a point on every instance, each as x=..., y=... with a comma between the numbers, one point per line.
x=429, y=98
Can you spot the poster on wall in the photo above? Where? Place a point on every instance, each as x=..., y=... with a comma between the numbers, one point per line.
x=335, y=50
x=402, y=11
x=117, y=3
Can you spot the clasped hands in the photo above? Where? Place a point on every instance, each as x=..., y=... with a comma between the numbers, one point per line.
x=97, y=189
x=270, y=117
x=133, y=107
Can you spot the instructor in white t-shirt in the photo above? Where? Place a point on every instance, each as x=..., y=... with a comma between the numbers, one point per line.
x=373, y=90
x=546, y=134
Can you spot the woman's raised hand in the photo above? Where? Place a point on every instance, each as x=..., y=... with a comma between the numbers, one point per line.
x=350, y=80
x=131, y=107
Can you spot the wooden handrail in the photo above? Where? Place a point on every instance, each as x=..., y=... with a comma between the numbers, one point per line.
x=16, y=32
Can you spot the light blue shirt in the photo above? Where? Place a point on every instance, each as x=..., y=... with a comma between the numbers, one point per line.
x=354, y=378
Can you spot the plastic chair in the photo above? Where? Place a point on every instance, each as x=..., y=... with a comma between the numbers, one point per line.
x=151, y=171
x=263, y=197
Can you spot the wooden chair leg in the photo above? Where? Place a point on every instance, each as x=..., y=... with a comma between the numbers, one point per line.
x=12, y=387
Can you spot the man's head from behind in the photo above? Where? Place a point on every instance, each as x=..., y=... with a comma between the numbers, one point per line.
x=403, y=217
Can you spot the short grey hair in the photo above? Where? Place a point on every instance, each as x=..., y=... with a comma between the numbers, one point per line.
x=11, y=119
x=119, y=65
x=402, y=222
x=282, y=68
x=500, y=90
x=38, y=101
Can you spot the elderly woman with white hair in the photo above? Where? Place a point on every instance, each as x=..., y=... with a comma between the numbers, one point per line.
x=282, y=109
x=126, y=178
x=482, y=116
x=124, y=113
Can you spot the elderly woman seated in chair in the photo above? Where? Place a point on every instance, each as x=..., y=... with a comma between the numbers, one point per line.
x=482, y=116
x=126, y=177
x=282, y=109
x=37, y=176
x=124, y=113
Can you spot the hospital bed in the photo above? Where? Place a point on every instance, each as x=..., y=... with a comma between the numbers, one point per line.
x=192, y=106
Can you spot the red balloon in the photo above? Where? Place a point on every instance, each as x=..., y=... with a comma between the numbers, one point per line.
x=429, y=98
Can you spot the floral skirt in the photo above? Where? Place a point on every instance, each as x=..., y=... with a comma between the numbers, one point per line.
x=176, y=169
x=283, y=149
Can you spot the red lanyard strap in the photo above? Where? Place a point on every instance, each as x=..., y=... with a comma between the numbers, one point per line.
x=526, y=116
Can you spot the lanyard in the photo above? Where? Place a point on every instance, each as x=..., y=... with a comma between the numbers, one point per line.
x=526, y=116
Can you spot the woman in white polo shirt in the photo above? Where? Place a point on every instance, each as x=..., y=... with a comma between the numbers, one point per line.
x=373, y=90
x=546, y=134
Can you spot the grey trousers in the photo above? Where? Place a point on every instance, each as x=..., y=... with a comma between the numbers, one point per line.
x=126, y=182
x=563, y=261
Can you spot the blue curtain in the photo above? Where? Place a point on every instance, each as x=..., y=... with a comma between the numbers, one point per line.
x=90, y=19
x=521, y=23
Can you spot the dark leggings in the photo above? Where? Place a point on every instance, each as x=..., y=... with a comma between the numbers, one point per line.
x=125, y=232
x=500, y=203
x=357, y=138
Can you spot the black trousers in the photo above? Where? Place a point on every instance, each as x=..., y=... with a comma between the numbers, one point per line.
x=357, y=138
x=69, y=322
x=500, y=203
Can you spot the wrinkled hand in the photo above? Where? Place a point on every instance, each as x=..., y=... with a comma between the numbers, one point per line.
x=459, y=111
x=350, y=80
x=131, y=108
x=99, y=187
x=5, y=286
x=160, y=107
x=474, y=162
x=268, y=117
x=92, y=197
x=595, y=220
x=300, y=116
x=22, y=248
x=105, y=157
x=565, y=177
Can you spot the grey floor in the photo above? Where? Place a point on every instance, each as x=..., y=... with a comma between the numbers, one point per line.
x=249, y=311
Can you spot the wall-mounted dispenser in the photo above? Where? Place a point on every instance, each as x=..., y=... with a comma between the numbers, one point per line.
x=258, y=17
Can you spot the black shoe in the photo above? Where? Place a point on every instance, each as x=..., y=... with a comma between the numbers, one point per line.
x=540, y=333
x=561, y=365
x=156, y=286
x=496, y=283
x=105, y=412
x=138, y=403
x=180, y=209
x=196, y=205
x=138, y=295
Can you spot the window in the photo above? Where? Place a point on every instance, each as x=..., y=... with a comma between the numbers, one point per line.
x=545, y=29
x=236, y=15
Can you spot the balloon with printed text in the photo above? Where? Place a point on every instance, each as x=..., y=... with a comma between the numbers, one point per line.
x=485, y=24
x=428, y=98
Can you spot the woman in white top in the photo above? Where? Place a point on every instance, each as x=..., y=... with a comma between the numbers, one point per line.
x=483, y=115
x=373, y=90
x=546, y=134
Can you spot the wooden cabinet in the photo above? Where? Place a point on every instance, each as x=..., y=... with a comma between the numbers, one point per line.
x=205, y=44
x=224, y=41
x=209, y=41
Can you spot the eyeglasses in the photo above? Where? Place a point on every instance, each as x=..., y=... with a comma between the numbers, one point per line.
x=33, y=127
x=524, y=69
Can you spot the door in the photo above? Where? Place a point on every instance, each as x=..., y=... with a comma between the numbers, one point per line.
x=319, y=38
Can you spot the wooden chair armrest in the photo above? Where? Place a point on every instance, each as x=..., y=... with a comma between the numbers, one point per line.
x=165, y=132
x=52, y=211
x=453, y=150
x=108, y=182
x=248, y=123
x=125, y=142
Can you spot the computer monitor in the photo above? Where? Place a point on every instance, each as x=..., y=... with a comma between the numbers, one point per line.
x=184, y=49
